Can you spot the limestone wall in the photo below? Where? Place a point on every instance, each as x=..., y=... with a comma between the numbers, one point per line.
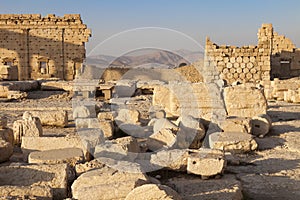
x=274, y=56
x=43, y=47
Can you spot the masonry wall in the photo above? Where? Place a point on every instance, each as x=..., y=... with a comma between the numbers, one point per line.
x=43, y=47
x=273, y=57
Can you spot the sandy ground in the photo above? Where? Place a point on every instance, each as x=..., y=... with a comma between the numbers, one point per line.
x=272, y=172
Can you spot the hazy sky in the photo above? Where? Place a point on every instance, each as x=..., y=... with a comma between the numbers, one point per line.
x=232, y=22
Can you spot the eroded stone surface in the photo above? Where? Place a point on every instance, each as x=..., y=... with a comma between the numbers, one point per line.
x=72, y=156
x=233, y=142
x=153, y=191
x=206, y=162
x=53, y=176
x=106, y=183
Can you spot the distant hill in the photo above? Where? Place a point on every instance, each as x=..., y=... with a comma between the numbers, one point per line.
x=147, y=58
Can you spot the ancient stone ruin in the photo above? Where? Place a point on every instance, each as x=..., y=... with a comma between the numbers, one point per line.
x=226, y=127
x=41, y=47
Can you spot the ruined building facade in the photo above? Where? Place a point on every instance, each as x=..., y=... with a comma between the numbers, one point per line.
x=42, y=47
x=275, y=56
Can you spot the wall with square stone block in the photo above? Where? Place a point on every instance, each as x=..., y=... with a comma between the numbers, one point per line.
x=43, y=47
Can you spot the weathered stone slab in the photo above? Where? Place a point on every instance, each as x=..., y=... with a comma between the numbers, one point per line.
x=236, y=124
x=12, y=94
x=191, y=133
x=173, y=159
x=237, y=142
x=84, y=111
x=52, y=118
x=26, y=192
x=153, y=191
x=206, y=162
x=30, y=144
x=162, y=139
x=106, y=183
x=53, y=176
x=57, y=85
x=244, y=101
x=130, y=116
x=72, y=156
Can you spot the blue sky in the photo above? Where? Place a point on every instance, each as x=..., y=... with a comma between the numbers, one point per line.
x=232, y=22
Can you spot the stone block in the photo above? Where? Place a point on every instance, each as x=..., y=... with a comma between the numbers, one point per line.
x=191, y=132
x=171, y=159
x=107, y=115
x=26, y=192
x=206, y=162
x=236, y=142
x=153, y=191
x=57, y=85
x=164, y=138
x=52, y=117
x=72, y=156
x=29, y=126
x=30, y=144
x=125, y=88
x=96, y=183
x=53, y=176
x=84, y=111
x=261, y=125
x=131, y=116
x=236, y=124
x=107, y=127
x=244, y=101
x=16, y=95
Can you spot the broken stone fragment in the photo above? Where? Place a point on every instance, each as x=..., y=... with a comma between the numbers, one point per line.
x=107, y=128
x=81, y=168
x=236, y=124
x=125, y=88
x=153, y=191
x=244, y=101
x=163, y=139
x=130, y=116
x=191, y=133
x=30, y=127
x=72, y=156
x=107, y=116
x=84, y=111
x=6, y=150
x=261, y=125
x=206, y=162
x=16, y=95
x=173, y=159
x=118, y=149
x=30, y=144
x=236, y=142
x=106, y=183
x=53, y=176
x=52, y=117
x=163, y=123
